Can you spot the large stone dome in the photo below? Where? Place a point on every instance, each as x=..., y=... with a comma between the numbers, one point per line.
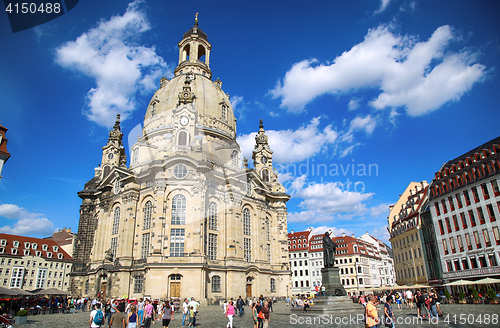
x=193, y=76
x=209, y=100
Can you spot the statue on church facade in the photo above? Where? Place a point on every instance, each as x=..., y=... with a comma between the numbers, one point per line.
x=329, y=247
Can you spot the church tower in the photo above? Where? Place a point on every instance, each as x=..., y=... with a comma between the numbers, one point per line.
x=185, y=219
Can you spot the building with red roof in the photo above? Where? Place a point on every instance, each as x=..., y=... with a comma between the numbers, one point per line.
x=363, y=262
x=31, y=263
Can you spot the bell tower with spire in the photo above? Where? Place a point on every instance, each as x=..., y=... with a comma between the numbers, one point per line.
x=194, y=52
x=262, y=156
x=113, y=154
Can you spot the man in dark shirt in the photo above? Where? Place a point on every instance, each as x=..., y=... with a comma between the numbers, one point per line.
x=258, y=308
x=240, y=304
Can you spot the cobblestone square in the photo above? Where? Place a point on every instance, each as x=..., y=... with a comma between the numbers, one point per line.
x=212, y=317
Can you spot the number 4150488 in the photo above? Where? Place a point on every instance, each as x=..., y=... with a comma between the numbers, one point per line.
x=32, y=8
x=470, y=319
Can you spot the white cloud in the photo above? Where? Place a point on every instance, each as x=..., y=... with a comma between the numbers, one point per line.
x=380, y=209
x=419, y=76
x=367, y=123
x=383, y=6
x=107, y=53
x=353, y=104
x=292, y=146
x=239, y=107
x=382, y=234
x=336, y=231
x=27, y=223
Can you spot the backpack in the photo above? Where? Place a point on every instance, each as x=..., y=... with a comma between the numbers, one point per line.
x=98, y=318
x=261, y=315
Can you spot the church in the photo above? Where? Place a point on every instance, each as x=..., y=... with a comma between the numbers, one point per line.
x=188, y=217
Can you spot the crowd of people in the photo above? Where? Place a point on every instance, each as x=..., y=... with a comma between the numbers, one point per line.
x=260, y=309
x=141, y=313
x=426, y=304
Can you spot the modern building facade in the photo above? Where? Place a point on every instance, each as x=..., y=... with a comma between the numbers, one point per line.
x=465, y=206
x=185, y=219
x=31, y=263
x=406, y=240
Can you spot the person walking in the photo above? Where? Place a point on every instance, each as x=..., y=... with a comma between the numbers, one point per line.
x=270, y=302
x=132, y=317
x=306, y=305
x=96, y=317
x=118, y=319
x=265, y=312
x=240, y=305
x=432, y=304
x=148, y=314
x=230, y=314
x=185, y=311
x=389, y=315
x=260, y=316
x=372, y=320
x=192, y=316
x=362, y=300
x=140, y=311
x=167, y=314
x=254, y=315
x=196, y=307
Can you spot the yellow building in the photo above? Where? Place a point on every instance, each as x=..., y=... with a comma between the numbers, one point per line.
x=185, y=219
x=406, y=240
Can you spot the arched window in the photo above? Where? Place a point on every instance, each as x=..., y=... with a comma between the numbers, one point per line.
x=246, y=222
x=224, y=112
x=212, y=216
x=148, y=208
x=215, y=284
x=116, y=221
x=182, y=138
x=87, y=287
x=179, y=209
x=201, y=53
x=273, y=285
x=234, y=158
x=265, y=175
x=185, y=53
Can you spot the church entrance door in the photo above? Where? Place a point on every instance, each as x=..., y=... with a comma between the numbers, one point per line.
x=249, y=290
x=175, y=289
x=103, y=289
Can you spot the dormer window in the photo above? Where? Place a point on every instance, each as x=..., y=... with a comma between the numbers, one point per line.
x=224, y=112
x=13, y=251
x=55, y=248
x=45, y=247
x=59, y=256
x=2, y=250
x=27, y=245
x=49, y=255
x=15, y=243
x=26, y=252
x=3, y=242
x=38, y=253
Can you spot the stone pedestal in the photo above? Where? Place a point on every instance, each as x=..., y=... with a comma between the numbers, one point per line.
x=335, y=300
x=331, y=281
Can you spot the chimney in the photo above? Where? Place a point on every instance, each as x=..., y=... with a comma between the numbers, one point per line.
x=292, y=230
x=343, y=234
x=353, y=236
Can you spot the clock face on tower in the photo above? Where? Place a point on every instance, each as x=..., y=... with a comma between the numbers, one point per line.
x=110, y=156
x=184, y=120
x=264, y=160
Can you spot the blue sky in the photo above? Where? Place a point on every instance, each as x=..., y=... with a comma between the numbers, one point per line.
x=390, y=88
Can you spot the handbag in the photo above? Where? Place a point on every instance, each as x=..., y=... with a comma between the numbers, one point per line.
x=261, y=315
x=388, y=322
